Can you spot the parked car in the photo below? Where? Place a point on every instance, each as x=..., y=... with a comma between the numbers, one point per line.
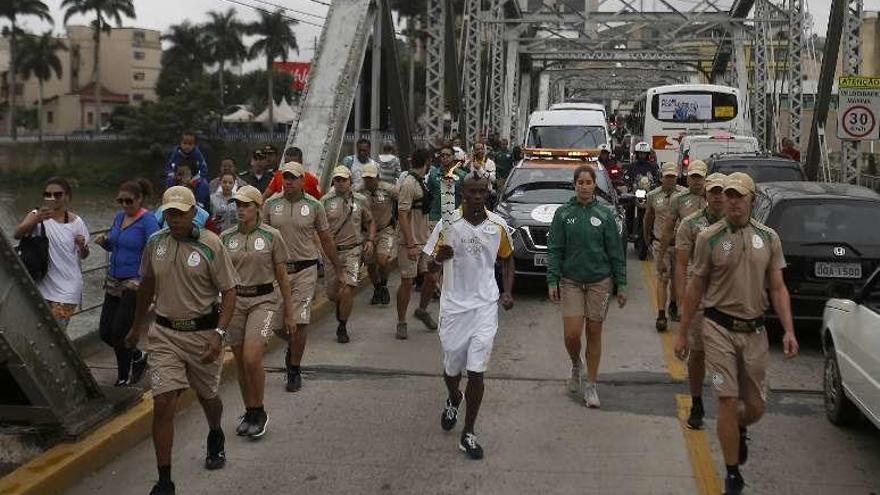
x=761, y=167
x=829, y=239
x=535, y=189
x=851, y=345
x=702, y=146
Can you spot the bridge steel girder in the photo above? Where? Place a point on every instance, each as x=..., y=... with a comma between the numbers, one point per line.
x=495, y=108
x=760, y=110
x=470, y=122
x=796, y=51
x=852, y=65
x=618, y=17
x=614, y=56
x=435, y=68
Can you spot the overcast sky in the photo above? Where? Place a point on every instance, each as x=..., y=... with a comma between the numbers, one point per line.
x=159, y=14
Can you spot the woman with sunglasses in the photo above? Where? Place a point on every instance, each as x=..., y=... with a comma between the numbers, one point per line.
x=68, y=245
x=259, y=255
x=125, y=241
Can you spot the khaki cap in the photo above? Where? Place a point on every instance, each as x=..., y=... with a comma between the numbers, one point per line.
x=341, y=171
x=248, y=194
x=370, y=170
x=669, y=168
x=715, y=180
x=293, y=168
x=698, y=167
x=178, y=198
x=740, y=183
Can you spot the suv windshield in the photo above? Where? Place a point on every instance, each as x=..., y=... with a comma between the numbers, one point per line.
x=761, y=170
x=524, y=179
x=566, y=136
x=542, y=193
x=806, y=221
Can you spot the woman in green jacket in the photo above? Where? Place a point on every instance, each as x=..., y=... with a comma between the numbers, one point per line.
x=585, y=261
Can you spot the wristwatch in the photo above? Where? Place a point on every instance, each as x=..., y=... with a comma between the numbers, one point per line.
x=222, y=334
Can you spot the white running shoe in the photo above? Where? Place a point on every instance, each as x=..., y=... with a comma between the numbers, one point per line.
x=591, y=396
x=576, y=382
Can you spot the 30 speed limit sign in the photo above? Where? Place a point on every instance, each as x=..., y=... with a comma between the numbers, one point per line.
x=859, y=108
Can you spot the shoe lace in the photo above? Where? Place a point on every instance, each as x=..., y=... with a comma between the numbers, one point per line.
x=471, y=440
x=451, y=411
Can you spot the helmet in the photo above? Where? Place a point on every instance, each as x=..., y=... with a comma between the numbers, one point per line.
x=604, y=147
x=643, y=147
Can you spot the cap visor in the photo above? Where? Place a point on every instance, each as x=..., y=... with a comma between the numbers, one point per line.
x=175, y=206
x=741, y=190
x=697, y=172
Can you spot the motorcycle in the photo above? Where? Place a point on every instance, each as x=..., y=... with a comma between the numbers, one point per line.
x=635, y=203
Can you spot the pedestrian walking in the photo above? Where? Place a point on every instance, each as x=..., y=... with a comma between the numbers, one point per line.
x=223, y=210
x=658, y=202
x=389, y=164
x=185, y=268
x=227, y=165
x=738, y=262
x=299, y=217
x=68, y=236
x=128, y=235
x=259, y=255
x=311, y=185
x=259, y=175
x=585, y=263
x=685, y=238
x=348, y=214
x=382, y=201
x=355, y=163
x=469, y=248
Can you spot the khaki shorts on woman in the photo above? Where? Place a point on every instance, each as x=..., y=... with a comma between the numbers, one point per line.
x=590, y=300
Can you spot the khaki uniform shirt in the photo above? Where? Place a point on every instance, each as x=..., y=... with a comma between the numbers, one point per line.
x=189, y=274
x=660, y=202
x=381, y=203
x=298, y=223
x=255, y=254
x=347, y=217
x=409, y=197
x=689, y=229
x=685, y=204
x=736, y=262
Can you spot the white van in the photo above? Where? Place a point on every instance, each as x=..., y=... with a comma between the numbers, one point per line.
x=581, y=128
x=702, y=146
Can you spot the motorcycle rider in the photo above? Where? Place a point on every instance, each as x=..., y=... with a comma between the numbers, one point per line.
x=641, y=166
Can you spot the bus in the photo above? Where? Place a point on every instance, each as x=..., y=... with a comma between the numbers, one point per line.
x=665, y=114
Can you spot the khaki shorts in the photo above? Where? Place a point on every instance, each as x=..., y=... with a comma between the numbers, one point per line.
x=351, y=270
x=254, y=318
x=590, y=300
x=175, y=363
x=695, y=332
x=408, y=268
x=737, y=362
x=668, y=261
x=384, y=245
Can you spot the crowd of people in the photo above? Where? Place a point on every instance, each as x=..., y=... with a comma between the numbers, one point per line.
x=233, y=260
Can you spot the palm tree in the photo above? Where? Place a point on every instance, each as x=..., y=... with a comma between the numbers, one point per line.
x=12, y=10
x=276, y=39
x=39, y=58
x=224, y=33
x=104, y=11
x=189, y=49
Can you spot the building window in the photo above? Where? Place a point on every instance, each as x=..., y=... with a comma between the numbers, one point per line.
x=140, y=35
x=139, y=76
x=139, y=55
x=137, y=97
x=90, y=118
x=50, y=117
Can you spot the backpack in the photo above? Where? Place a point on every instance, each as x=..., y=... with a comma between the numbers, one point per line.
x=427, y=197
x=33, y=251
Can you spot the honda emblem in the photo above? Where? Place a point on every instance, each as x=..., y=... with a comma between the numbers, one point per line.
x=839, y=251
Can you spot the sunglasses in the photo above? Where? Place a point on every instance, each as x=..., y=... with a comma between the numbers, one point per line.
x=51, y=195
x=125, y=201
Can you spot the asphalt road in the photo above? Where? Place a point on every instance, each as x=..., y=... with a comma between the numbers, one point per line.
x=367, y=420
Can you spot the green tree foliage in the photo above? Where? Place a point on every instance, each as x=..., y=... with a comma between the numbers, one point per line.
x=39, y=59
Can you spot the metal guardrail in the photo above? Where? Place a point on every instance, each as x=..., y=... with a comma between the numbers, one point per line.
x=870, y=181
x=94, y=269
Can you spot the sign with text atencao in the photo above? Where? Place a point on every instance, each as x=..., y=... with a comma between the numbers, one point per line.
x=858, y=108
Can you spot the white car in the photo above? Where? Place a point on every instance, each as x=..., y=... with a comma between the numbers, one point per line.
x=851, y=343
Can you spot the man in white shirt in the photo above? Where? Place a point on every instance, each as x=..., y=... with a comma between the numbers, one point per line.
x=356, y=162
x=468, y=248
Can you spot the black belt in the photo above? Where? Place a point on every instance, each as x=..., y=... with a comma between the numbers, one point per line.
x=253, y=290
x=732, y=323
x=347, y=247
x=298, y=266
x=204, y=322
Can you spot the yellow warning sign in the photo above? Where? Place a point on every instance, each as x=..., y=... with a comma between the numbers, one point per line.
x=865, y=82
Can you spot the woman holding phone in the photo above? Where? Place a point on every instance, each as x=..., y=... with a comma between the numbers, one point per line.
x=125, y=242
x=68, y=245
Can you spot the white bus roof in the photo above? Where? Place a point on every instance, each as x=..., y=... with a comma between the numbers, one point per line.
x=691, y=87
x=577, y=106
x=567, y=117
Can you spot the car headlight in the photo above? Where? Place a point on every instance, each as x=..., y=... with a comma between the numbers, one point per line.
x=641, y=194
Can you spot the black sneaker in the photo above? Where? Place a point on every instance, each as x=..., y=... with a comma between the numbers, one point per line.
x=244, y=422
x=661, y=324
x=449, y=416
x=673, y=312
x=294, y=380
x=342, y=335
x=695, y=419
x=377, y=296
x=216, y=457
x=743, y=446
x=138, y=367
x=122, y=382
x=733, y=484
x=259, y=420
x=468, y=444
x=163, y=489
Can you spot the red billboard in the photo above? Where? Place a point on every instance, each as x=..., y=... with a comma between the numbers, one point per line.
x=299, y=71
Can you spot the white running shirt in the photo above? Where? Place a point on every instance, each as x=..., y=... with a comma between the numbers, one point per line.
x=63, y=282
x=469, y=277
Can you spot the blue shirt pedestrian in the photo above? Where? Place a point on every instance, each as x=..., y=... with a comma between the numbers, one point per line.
x=126, y=245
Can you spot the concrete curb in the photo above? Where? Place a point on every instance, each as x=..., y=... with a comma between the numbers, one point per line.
x=64, y=465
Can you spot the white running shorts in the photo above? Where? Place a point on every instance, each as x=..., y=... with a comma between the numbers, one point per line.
x=467, y=339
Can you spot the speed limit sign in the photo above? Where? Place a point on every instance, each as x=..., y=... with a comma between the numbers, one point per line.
x=859, y=107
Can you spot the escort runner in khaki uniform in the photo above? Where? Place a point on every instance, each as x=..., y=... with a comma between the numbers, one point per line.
x=349, y=215
x=413, y=231
x=185, y=268
x=259, y=255
x=737, y=261
x=659, y=201
x=685, y=239
x=299, y=217
x=381, y=198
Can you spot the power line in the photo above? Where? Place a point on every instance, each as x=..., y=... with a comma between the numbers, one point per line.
x=264, y=2
x=260, y=9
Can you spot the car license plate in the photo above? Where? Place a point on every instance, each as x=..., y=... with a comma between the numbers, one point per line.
x=826, y=269
x=540, y=260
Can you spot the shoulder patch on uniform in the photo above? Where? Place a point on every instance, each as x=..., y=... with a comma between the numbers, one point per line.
x=227, y=233
x=274, y=200
x=311, y=199
x=159, y=235
x=693, y=218
x=265, y=233
x=715, y=234
x=764, y=231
